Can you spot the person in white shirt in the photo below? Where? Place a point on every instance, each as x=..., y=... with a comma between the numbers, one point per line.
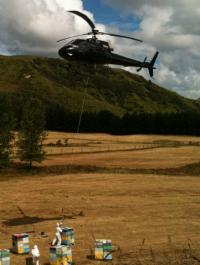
x=57, y=239
x=36, y=255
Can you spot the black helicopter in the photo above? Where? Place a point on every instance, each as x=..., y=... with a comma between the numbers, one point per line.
x=96, y=51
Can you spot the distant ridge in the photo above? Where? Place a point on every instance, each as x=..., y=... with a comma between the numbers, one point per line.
x=60, y=82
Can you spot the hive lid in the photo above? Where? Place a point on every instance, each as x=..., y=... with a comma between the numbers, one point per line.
x=20, y=235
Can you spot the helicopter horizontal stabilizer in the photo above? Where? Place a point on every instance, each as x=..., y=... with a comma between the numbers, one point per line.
x=151, y=66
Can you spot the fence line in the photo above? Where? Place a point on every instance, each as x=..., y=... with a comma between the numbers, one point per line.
x=112, y=148
x=62, y=150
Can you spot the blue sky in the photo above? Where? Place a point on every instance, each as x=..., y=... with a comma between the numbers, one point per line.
x=106, y=15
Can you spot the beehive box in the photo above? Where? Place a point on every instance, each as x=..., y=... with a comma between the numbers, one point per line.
x=20, y=243
x=29, y=261
x=60, y=255
x=103, y=249
x=67, y=236
x=4, y=257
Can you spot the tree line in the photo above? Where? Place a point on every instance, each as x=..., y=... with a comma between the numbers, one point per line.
x=29, y=141
x=34, y=117
x=180, y=123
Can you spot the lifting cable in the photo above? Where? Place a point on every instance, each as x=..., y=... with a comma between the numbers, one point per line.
x=83, y=104
x=84, y=97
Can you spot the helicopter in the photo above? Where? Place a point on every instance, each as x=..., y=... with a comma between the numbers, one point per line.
x=95, y=51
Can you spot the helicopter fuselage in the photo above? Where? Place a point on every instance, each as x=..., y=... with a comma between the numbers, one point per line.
x=95, y=52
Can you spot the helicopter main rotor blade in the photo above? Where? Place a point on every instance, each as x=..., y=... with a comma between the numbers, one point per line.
x=120, y=36
x=95, y=31
x=86, y=18
x=89, y=33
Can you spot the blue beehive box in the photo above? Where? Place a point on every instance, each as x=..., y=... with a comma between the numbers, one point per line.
x=103, y=249
x=60, y=255
x=67, y=236
x=4, y=257
x=20, y=243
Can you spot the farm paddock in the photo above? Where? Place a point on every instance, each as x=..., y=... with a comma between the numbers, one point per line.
x=152, y=218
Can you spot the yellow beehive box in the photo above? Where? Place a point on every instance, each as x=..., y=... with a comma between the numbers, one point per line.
x=69, y=259
x=59, y=261
x=20, y=250
x=103, y=249
x=99, y=255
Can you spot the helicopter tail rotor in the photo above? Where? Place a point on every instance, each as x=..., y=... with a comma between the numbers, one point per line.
x=139, y=69
x=149, y=65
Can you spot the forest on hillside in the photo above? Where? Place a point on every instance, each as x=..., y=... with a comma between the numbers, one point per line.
x=116, y=101
x=185, y=123
x=57, y=118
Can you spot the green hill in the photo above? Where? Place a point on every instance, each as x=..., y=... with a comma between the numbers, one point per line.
x=62, y=83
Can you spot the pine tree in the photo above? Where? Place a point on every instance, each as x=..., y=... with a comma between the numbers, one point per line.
x=7, y=123
x=32, y=135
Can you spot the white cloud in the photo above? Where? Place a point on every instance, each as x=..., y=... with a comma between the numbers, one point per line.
x=172, y=27
x=35, y=26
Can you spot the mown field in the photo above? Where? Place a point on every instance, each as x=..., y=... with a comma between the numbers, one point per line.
x=140, y=191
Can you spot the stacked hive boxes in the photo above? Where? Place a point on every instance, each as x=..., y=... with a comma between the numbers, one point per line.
x=20, y=243
x=67, y=236
x=103, y=249
x=60, y=255
x=4, y=257
x=29, y=261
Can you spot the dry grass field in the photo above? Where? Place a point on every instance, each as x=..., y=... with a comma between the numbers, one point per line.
x=145, y=198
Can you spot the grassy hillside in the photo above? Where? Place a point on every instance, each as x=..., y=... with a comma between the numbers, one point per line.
x=63, y=83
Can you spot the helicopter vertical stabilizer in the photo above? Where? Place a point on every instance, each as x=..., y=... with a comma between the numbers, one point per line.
x=151, y=67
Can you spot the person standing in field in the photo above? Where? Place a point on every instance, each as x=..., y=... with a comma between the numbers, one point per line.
x=57, y=239
x=36, y=255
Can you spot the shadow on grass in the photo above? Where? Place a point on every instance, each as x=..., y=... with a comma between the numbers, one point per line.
x=28, y=220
